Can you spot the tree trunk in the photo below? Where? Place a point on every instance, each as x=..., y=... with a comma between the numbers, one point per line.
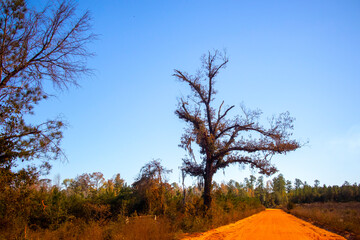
x=207, y=190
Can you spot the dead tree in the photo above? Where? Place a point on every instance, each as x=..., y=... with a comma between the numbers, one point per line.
x=226, y=141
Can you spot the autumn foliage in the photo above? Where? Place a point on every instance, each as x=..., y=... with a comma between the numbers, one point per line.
x=78, y=207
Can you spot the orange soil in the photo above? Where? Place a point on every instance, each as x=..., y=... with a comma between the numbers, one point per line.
x=272, y=224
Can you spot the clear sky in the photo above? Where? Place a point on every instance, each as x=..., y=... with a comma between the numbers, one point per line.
x=296, y=56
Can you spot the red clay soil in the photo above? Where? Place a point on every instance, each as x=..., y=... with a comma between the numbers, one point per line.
x=271, y=224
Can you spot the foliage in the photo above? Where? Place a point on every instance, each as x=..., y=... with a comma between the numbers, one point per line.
x=90, y=204
x=151, y=187
x=280, y=192
x=22, y=141
x=308, y=194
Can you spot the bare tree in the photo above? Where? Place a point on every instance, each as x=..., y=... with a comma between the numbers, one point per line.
x=50, y=44
x=225, y=141
x=36, y=46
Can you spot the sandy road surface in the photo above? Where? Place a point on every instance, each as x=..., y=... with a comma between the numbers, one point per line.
x=271, y=224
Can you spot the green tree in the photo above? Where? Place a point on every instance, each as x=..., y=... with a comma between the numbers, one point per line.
x=250, y=183
x=118, y=183
x=316, y=183
x=279, y=188
x=260, y=191
x=288, y=186
x=298, y=191
x=226, y=141
x=298, y=183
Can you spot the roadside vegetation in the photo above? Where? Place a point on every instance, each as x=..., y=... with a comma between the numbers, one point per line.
x=342, y=218
x=91, y=207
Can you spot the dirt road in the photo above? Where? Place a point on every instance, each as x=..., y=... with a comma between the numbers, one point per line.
x=271, y=224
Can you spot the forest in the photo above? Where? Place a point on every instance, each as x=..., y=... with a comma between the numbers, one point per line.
x=32, y=207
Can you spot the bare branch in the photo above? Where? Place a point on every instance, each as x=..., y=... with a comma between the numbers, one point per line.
x=51, y=44
x=225, y=141
x=35, y=47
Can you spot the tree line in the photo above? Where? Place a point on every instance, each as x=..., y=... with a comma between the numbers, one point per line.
x=280, y=192
x=35, y=203
x=40, y=204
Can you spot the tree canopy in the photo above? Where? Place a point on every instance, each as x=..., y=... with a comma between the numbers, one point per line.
x=36, y=46
x=224, y=141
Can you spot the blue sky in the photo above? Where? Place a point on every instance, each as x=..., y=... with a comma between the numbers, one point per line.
x=296, y=56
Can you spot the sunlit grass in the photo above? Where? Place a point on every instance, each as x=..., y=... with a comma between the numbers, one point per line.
x=343, y=218
x=136, y=229
x=141, y=228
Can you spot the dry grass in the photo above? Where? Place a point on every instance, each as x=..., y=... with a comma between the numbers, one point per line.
x=170, y=226
x=138, y=228
x=135, y=229
x=342, y=218
x=148, y=229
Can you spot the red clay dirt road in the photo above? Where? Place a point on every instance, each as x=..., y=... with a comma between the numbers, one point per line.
x=271, y=224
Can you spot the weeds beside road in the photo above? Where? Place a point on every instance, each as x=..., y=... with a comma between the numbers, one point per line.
x=144, y=228
x=342, y=218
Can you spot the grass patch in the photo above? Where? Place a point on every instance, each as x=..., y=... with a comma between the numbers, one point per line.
x=342, y=218
x=135, y=229
x=140, y=228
